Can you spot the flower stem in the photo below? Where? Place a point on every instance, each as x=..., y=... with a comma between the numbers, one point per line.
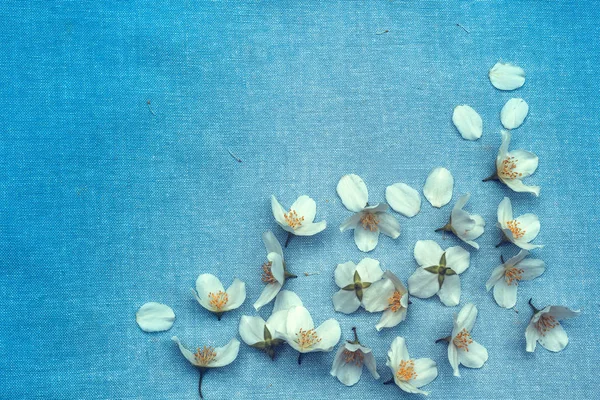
x=300, y=355
x=535, y=310
x=504, y=240
x=445, y=228
x=202, y=371
x=493, y=177
x=287, y=240
x=355, y=337
x=501, y=259
x=219, y=315
x=389, y=382
x=444, y=339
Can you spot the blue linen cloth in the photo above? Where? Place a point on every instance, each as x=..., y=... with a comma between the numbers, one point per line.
x=107, y=202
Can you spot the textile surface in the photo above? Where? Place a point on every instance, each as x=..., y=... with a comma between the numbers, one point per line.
x=107, y=202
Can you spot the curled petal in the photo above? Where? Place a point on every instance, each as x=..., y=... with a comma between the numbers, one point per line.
x=426, y=370
x=236, y=293
x=268, y=294
x=531, y=337
x=271, y=243
x=388, y=225
x=226, y=354
x=310, y=228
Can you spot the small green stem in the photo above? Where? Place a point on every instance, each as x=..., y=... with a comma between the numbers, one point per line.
x=287, y=240
x=444, y=339
x=300, y=355
x=202, y=371
x=535, y=310
x=389, y=382
x=493, y=177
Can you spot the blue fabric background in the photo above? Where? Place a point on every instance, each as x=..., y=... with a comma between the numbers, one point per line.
x=105, y=206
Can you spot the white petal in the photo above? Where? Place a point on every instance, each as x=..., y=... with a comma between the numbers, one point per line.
x=397, y=282
x=505, y=294
x=517, y=259
x=531, y=337
x=449, y=293
x=269, y=292
x=530, y=223
x=503, y=150
x=252, y=329
x=408, y=388
x=352, y=222
x=389, y=319
x=353, y=192
x=505, y=212
x=403, y=199
x=365, y=239
x=277, y=324
x=369, y=270
x=427, y=253
x=526, y=162
x=458, y=259
x=205, y=284
x=475, y=357
x=236, y=293
x=155, y=317
x=516, y=185
x=305, y=207
x=298, y=317
x=345, y=301
x=226, y=354
x=347, y=373
x=426, y=370
x=344, y=274
x=375, y=297
x=468, y=122
x=506, y=76
x=560, y=312
x=278, y=212
x=186, y=353
x=438, y=187
x=423, y=284
x=465, y=319
x=397, y=353
x=389, y=225
x=329, y=332
x=371, y=364
x=285, y=300
x=497, y=274
x=513, y=113
x=532, y=268
x=453, y=358
x=272, y=244
x=310, y=228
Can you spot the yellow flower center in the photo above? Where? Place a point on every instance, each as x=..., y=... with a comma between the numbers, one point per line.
x=369, y=221
x=516, y=230
x=353, y=357
x=394, y=301
x=406, y=371
x=267, y=275
x=218, y=300
x=546, y=323
x=513, y=275
x=307, y=338
x=508, y=167
x=204, y=356
x=463, y=340
x=292, y=219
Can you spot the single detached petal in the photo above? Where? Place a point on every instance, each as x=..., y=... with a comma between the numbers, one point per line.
x=347, y=373
x=305, y=207
x=389, y=318
x=389, y=225
x=423, y=284
x=155, y=317
x=531, y=337
x=226, y=354
x=532, y=268
x=369, y=270
x=344, y=274
x=468, y=122
x=513, y=113
x=269, y=292
x=505, y=294
x=397, y=353
x=465, y=319
x=375, y=297
x=252, y=329
x=272, y=244
x=236, y=293
x=310, y=228
x=475, y=357
x=458, y=259
x=329, y=332
x=449, y=293
x=186, y=353
x=438, y=187
x=427, y=253
x=506, y=76
x=345, y=301
x=285, y=300
x=497, y=274
x=403, y=199
x=353, y=192
x=365, y=239
x=426, y=370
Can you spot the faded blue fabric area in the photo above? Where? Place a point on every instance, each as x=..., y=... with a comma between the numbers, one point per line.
x=107, y=202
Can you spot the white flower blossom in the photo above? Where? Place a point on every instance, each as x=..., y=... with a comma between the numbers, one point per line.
x=513, y=166
x=299, y=220
x=212, y=296
x=462, y=349
x=506, y=277
x=545, y=328
x=358, y=286
x=520, y=230
x=438, y=272
x=367, y=221
x=467, y=227
x=410, y=374
x=397, y=302
x=349, y=360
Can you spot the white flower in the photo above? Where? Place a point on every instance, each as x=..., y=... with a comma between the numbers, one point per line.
x=410, y=374
x=155, y=317
x=545, y=328
x=210, y=357
x=356, y=283
x=349, y=360
x=462, y=349
x=299, y=220
x=212, y=296
x=274, y=270
x=513, y=113
x=300, y=332
x=467, y=227
x=367, y=221
x=438, y=272
x=506, y=76
x=505, y=278
x=266, y=336
x=513, y=166
x=520, y=230
x=396, y=301
x=438, y=187
x=467, y=122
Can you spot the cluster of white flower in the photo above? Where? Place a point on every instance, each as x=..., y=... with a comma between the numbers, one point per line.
x=366, y=285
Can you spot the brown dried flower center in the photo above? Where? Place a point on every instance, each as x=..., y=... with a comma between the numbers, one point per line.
x=546, y=323
x=369, y=221
x=267, y=275
x=513, y=276
x=394, y=301
x=353, y=357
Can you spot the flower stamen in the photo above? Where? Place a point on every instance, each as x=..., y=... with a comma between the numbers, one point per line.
x=267, y=275
x=353, y=357
x=546, y=323
x=463, y=340
x=394, y=301
x=406, y=371
x=307, y=338
x=218, y=300
x=508, y=168
x=292, y=219
x=369, y=221
x=513, y=275
x=204, y=356
x=516, y=230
